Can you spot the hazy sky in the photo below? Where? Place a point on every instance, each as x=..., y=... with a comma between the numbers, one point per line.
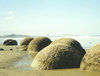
x=50, y=17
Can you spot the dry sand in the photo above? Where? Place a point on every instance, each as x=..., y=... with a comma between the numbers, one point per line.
x=8, y=58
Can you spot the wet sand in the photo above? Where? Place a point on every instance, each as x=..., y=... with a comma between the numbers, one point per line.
x=9, y=57
x=63, y=72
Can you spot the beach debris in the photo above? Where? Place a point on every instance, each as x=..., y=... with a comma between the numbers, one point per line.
x=11, y=49
x=24, y=43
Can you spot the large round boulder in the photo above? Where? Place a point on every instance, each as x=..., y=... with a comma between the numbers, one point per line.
x=91, y=60
x=71, y=42
x=10, y=42
x=24, y=43
x=38, y=44
x=57, y=56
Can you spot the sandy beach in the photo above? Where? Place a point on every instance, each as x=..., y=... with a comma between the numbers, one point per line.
x=63, y=72
x=9, y=57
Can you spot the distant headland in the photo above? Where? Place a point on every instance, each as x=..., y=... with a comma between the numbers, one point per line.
x=14, y=35
x=66, y=35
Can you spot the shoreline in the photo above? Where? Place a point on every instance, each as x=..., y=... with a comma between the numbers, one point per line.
x=7, y=58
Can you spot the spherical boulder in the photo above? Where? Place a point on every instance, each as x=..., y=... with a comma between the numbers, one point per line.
x=71, y=42
x=38, y=44
x=1, y=49
x=10, y=42
x=24, y=43
x=91, y=60
x=57, y=56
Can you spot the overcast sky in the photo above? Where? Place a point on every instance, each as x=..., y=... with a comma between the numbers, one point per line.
x=50, y=17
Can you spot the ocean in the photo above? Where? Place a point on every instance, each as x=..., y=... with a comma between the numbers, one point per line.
x=86, y=41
